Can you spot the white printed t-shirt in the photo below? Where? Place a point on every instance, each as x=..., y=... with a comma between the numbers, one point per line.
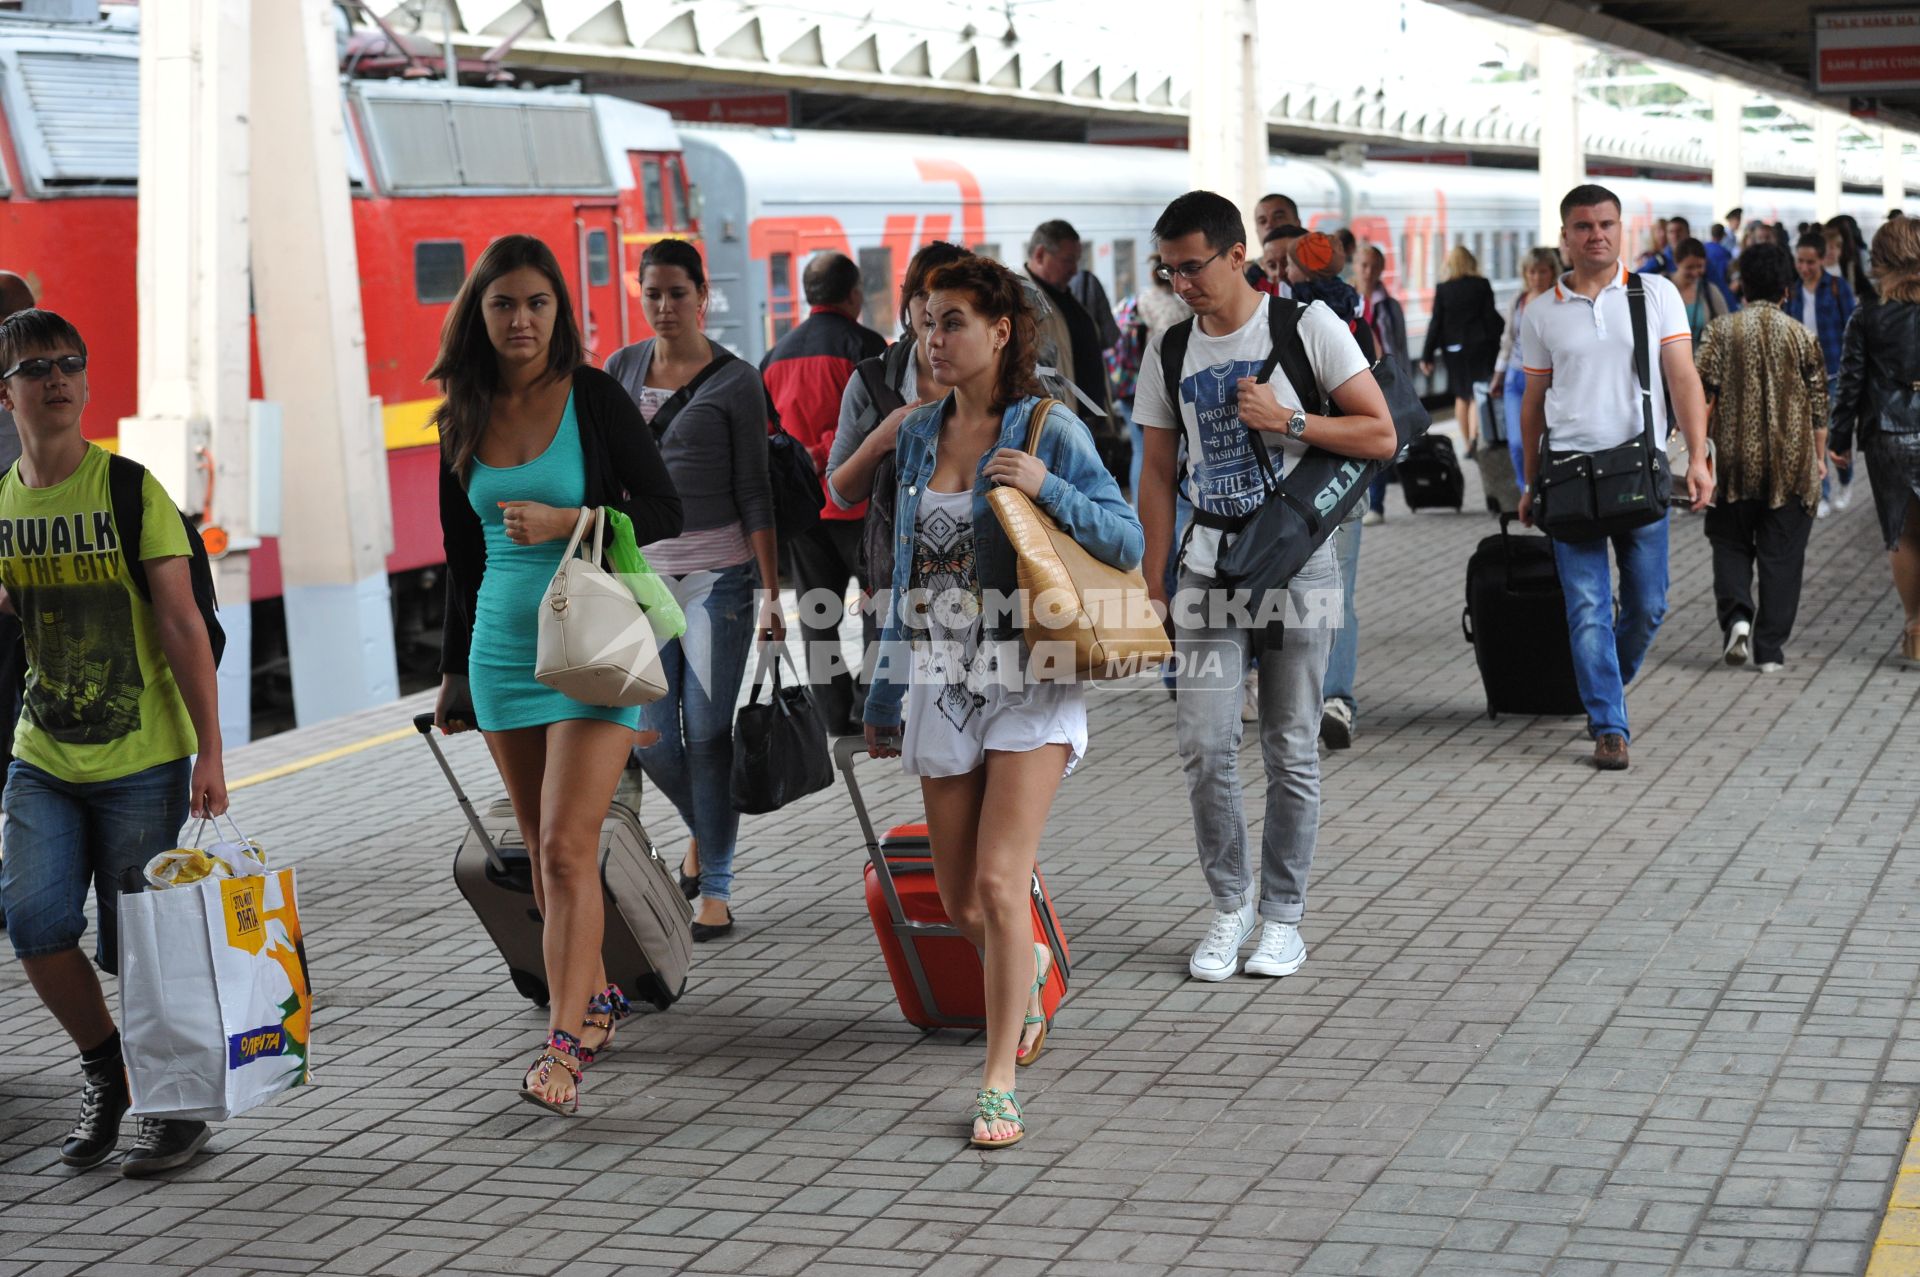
x=1223, y=474
x=1587, y=346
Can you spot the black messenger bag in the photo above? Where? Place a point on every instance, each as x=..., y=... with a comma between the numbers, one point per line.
x=1584, y=496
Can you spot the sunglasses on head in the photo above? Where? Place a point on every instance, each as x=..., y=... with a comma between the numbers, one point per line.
x=41, y=369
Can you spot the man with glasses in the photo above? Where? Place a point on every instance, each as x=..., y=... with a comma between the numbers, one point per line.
x=1211, y=393
x=120, y=699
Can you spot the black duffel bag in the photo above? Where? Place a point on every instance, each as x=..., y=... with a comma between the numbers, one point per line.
x=780, y=748
x=1308, y=502
x=1584, y=496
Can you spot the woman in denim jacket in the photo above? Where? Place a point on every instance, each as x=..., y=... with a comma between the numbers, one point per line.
x=990, y=745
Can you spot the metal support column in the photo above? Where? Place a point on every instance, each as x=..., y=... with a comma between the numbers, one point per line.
x=337, y=521
x=191, y=273
x=1893, y=168
x=1729, y=149
x=1826, y=164
x=1563, y=158
x=1226, y=131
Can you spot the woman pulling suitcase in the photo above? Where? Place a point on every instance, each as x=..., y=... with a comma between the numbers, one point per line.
x=990, y=744
x=529, y=433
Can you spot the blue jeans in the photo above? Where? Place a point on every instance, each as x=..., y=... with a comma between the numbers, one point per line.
x=1607, y=652
x=692, y=762
x=1516, y=391
x=61, y=837
x=1338, y=684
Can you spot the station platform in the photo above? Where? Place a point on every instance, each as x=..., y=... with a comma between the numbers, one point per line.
x=1553, y=1022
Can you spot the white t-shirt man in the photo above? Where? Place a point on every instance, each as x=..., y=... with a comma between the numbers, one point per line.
x=1223, y=472
x=1594, y=401
x=1810, y=310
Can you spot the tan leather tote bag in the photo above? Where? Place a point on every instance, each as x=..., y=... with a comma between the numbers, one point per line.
x=595, y=645
x=1071, y=597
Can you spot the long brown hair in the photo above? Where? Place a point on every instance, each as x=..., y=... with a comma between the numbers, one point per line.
x=997, y=293
x=1896, y=259
x=467, y=367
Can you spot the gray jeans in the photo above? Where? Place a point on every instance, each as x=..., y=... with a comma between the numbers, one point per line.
x=1209, y=728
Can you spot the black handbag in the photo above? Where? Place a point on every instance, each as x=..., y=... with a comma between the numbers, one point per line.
x=1584, y=496
x=780, y=748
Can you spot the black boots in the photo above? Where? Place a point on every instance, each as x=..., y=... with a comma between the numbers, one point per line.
x=103, y=1102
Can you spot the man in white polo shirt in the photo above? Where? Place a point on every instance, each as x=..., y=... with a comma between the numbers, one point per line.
x=1582, y=394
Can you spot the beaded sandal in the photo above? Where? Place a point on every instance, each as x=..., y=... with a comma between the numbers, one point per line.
x=991, y=1106
x=604, y=1010
x=1042, y=967
x=559, y=1046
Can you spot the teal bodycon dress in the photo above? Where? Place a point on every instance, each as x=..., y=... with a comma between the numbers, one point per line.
x=505, y=625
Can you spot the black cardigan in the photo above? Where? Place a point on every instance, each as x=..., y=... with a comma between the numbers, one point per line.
x=624, y=471
x=1464, y=314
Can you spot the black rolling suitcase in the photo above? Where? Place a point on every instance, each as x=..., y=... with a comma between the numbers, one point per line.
x=1516, y=619
x=648, y=943
x=1430, y=475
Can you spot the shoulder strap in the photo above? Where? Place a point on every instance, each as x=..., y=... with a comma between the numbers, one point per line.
x=1642, y=354
x=679, y=399
x=126, y=494
x=1289, y=354
x=1173, y=353
x=873, y=377
x=1037, y=422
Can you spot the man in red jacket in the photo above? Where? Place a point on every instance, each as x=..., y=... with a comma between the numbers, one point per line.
x=806, y=374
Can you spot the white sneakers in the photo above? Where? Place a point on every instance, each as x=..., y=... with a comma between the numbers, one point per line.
x=1842, y=495
x=1739, y=635
x=1281, y=951
x=1372, y=518
x=1769, y=667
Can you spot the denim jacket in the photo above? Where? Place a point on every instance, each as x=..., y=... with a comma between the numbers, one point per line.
x=1833, y=305
x=1078, y=493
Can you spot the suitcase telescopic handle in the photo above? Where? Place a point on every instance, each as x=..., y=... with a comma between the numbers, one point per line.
x=845, y=751
x=423, y=723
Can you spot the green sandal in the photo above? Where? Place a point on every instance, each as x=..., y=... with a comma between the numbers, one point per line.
x=990, y=1106
x=1041, y=970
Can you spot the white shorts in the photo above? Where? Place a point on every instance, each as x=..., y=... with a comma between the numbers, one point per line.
x=950, y=727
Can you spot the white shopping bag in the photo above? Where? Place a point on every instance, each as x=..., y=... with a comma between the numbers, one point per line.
x=215, y=1006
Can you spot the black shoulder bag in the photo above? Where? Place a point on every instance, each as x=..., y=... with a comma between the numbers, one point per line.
x=876, y=533
x=679, y=399
x=1584, y=496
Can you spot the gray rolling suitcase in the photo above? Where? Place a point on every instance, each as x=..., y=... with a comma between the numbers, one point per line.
x=648, y=944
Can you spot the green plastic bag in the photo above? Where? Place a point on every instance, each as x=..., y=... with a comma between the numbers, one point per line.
x=656, y=601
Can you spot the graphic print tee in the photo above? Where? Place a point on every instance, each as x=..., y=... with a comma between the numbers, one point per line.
x=101, y=701
x=945, y=580
x=1223, y=474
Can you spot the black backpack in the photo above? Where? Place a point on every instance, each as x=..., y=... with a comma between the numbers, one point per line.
x=126, y=480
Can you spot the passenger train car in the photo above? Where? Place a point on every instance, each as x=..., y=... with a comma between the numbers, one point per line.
x=436, y=171
x=777, y=196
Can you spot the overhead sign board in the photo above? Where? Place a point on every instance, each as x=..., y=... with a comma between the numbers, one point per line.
x=1859, y=51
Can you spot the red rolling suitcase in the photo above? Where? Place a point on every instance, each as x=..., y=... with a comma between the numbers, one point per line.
x=936, y=972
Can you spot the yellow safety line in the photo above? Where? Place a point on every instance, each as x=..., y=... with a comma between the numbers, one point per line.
x=1896, y=1251
x=315, y=760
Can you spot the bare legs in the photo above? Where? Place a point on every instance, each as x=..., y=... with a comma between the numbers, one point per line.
x=561, y=779
x=68, y=987
x=985, y=828
x=1463, y=413
x=1905, y=559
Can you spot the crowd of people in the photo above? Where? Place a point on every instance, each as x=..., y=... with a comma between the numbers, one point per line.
x=1158, y=417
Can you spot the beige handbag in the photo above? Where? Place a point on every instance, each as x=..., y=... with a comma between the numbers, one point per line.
x=1071, y=597
x=595, y=644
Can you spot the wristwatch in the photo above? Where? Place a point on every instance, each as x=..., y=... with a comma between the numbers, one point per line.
x=1296, y=424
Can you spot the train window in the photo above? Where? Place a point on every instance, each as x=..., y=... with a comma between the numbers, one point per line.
x=439, y=268
x=1409, y=276
x=1480, y=252
x=682, y=198
x=566, y=146
x=416, y=147
x=991, y=251
x=599, y=259
x=651, y=192
x=1125, y=271
x=876, y=281
x=493, y=146
x=780, y=305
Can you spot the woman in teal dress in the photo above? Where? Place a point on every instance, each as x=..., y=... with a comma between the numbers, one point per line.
x=529, y=435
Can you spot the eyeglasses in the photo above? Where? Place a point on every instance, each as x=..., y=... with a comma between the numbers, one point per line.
x=1185, y=270
x=41, y=369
